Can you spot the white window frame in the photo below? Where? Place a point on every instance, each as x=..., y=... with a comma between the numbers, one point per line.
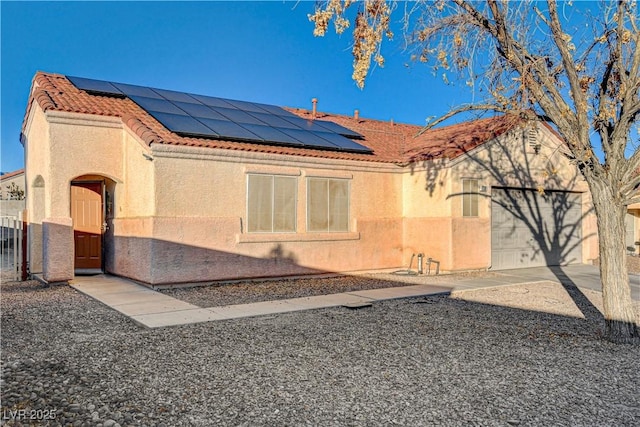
x=308, y=210
x=273, y=216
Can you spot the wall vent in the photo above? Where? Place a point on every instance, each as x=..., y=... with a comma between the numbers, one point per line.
x=531, y=136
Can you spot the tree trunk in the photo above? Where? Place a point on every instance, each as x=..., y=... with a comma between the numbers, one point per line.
x=619, y=313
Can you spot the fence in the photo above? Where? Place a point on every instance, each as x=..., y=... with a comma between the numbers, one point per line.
x=11, y=249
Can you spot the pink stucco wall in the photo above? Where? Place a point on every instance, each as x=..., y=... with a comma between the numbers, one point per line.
x=183, y=250
x=178, y=212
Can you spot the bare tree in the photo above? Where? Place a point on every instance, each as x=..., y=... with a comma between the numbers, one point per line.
x=573, y=67
x=14, y=192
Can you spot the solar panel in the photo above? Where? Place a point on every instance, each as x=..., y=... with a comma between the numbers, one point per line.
x=309, y=139
x=133, y=90
x=172, y=95
x=270, y=134
x=245, y=106
x=238, y=116
x=95, y=86
x=199, y=110
x=159, y=105
x=278, y=111
x=230, y=130
x=275, y=121
x=305, y=124
x=210, y=117
x=343, y=143
x=183, y=124
x=212, y=101
x=336, y=128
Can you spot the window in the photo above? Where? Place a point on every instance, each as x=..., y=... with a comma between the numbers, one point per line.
x=469, y=197
x=271, y=204
x=327, y=204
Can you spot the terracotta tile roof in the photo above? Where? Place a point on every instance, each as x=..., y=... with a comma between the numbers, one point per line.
x=11, y=174
x=390, y=142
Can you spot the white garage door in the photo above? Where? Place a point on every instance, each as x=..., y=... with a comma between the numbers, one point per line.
x=630, y=240
x=529, y=229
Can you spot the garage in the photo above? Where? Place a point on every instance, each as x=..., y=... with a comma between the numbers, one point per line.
x=530, y=229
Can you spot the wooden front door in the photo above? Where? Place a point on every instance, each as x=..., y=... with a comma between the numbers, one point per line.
x=86, y=212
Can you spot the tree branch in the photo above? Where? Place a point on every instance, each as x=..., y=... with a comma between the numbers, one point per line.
x=579, y=99
x=462, y=109
x=632, y=201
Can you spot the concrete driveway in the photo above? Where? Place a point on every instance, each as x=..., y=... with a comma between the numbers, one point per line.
x=584, y=276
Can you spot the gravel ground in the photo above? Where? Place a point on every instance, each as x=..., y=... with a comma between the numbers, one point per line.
x=427, y=361
x=268, y=290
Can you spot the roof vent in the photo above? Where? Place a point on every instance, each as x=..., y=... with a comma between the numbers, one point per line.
x=531, y=135
x=356, y=115
x=314, y=101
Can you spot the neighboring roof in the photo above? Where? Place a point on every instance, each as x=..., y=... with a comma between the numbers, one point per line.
x=390, y=142
x=13, y=174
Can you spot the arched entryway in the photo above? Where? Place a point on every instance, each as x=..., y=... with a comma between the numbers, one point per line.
x=91, y=206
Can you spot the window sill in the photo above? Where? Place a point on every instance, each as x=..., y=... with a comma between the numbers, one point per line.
x=295, y=237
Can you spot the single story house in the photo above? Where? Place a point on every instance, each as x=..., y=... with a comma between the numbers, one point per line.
x=165, y=187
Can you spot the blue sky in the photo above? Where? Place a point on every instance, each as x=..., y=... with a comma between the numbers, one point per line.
x=254, y=51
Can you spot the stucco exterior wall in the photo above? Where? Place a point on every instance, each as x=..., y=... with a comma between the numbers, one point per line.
x=136, y=196
x=179, y=214
x=88, y=145
x=37, y=180
x=63, y=147
x=512, y=161
x=199, y=230
x=427, y=213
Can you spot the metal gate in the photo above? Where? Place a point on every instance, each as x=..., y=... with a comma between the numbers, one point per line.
x=11, y=249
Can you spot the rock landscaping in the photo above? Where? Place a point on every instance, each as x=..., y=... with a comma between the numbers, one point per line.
x=68, y=360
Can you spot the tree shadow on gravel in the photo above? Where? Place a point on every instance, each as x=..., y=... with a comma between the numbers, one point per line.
x=587, y=308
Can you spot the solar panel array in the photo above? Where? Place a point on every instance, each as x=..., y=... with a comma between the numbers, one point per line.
x=210, y=117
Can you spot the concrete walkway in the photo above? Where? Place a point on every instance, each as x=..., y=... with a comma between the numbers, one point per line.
x=153, y=309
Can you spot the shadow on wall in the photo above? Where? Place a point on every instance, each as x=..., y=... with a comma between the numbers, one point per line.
x=546, y=220
x=156, y=261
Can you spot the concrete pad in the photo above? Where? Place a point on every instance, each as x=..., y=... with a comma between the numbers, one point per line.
x=255, y=309
x=102, y=288
x=428, y=289
x=175, y=318
x=399, y=292
x=130, y=297
x=154, y=306
x=486, y=283
x=332, y=300
x=105, y=287
x=99, y=285
x=545, y=296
